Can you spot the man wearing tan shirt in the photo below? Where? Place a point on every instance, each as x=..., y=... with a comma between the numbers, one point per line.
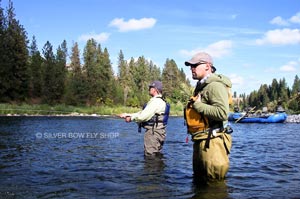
x=151, y=118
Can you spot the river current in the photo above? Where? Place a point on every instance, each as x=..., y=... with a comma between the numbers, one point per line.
x=92, y=157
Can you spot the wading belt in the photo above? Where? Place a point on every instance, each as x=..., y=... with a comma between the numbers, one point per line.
x=215, y=133
x=214, y=127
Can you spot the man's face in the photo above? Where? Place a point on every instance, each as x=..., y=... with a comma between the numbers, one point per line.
x=152, y=90
x=199, y=71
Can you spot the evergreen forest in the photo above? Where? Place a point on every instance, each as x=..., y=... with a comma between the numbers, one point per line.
x=62, y=75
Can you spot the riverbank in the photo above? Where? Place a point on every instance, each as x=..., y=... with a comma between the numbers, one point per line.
x=290, y=118
x=88, y=111
x=67, y=110
x=293, y=119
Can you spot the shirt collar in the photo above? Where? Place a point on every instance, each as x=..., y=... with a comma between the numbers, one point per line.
x=203, y=80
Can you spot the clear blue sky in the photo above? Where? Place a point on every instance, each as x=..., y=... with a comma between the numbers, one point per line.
x=251, y=41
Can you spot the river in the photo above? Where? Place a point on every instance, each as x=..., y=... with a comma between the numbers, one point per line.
x=92, y=157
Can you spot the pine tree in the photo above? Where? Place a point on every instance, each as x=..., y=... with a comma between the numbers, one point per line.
x=172, y=79
x=49, y=80
x=36, y=72
x=60, y=70
x=283, y=91
x=133, y=87
x=263, y=96
x=274, y=90
x=4, y=70
x=296, y=86
x=91, y=72
x=76, y=92
x=141, y=78
x=155, y=73
x=123, y=73
x=107, y=78
x=14, y=66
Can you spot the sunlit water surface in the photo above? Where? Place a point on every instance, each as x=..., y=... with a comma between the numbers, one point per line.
x=90, y=157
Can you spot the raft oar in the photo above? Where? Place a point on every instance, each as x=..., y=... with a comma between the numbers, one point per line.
x=245, y=114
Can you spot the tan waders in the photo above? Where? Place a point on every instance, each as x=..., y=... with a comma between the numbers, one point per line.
x=154, y=138
x=210, y=157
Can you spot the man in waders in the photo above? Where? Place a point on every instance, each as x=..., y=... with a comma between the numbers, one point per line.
x=206, y=117
x=153, y=118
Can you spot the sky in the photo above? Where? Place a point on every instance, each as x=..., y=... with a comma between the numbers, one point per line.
x=251, y=41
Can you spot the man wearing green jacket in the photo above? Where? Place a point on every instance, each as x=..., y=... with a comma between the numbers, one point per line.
x=210, y=106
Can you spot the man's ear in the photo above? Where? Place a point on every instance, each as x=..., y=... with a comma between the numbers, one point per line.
x=207, y=67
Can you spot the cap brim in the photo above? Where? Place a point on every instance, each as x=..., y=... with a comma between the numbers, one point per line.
x=190, y=63
x=187, y=63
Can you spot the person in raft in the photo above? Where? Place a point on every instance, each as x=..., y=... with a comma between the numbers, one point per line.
x=206, y=117
x=153, y=118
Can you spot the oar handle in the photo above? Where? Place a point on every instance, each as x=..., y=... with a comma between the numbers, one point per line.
x=245, y=114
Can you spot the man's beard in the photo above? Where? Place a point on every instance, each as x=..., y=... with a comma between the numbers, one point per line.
x=194, y=75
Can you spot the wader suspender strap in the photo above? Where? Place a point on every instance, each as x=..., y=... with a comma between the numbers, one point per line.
x=209, y=135
x=155, y=123
x=208, y=138
x=227, y=150
x=184, y=116
x=213, y=125
x=157, y=115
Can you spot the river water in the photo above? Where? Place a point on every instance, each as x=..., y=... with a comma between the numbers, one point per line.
x=90, y=157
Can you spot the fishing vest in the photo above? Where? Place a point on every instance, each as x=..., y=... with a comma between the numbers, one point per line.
x=158, y=118
x=197, y=122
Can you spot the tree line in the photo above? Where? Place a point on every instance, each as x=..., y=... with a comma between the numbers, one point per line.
x=277, y=93
x=28, y=75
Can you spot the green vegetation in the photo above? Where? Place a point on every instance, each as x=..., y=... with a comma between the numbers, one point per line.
x=44, y=109
x=44, y=82
x=272, y=95
x=61, y=109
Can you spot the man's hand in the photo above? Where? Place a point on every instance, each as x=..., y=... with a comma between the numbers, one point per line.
x=196, y=98
x=126, y=116
x=128, y=119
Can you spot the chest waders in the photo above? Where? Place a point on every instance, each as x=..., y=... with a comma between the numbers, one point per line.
x=212, y=142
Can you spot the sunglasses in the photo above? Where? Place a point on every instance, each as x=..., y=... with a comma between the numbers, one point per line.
x=197, y=64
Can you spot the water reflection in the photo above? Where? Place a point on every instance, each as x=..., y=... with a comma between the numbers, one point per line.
x=210, y=190
x=154, y=163
x=153, y=178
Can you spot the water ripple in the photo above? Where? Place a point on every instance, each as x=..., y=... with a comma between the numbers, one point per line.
x=36, y=163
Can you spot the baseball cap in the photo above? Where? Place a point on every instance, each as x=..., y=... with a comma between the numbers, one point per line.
x=201, y=57
x=157, y=85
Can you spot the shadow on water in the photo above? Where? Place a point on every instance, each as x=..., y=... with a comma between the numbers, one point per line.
x=210, y=190
x=154, y=164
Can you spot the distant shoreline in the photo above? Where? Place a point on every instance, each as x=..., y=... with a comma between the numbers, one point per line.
x=68, y=110
x=56, y=115
x=290, y=118
x=67, y=115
